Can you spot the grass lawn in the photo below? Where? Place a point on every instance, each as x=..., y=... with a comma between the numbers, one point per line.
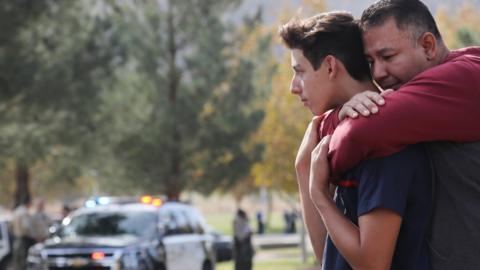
x=222, y=222
x=277, y=259
x=286, y=264
x=271, y=259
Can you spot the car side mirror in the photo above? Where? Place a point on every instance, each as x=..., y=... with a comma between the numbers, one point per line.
x=161, y=229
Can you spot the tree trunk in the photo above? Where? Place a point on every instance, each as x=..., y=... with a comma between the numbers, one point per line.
x=174, y=185
x=22, y=178
x=269, y=208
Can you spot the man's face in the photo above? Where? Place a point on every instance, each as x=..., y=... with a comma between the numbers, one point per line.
x=394, y=56
x=310, y=85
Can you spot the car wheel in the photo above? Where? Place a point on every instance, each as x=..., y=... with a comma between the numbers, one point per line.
x=160, y=267
x=207, y=265
x=7, y=264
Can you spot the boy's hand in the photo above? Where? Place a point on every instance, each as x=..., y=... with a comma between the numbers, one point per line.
x=320, y=170
x=364, y=103
x=310, y=140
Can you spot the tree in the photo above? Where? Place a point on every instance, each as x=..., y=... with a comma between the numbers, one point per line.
x=460, y=28
x=237, y=113
x=56, y=56
x=284, y=124
x=468, y=37
x=281, y=132
x=194, y=98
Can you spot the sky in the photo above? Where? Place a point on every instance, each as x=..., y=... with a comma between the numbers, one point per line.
x=273, y=7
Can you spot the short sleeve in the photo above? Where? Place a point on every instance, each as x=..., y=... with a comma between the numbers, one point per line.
x=386, y=182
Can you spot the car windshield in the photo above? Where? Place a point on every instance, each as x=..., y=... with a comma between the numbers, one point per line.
x=134, y=223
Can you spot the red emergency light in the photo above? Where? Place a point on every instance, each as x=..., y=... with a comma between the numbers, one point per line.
x=98, y=256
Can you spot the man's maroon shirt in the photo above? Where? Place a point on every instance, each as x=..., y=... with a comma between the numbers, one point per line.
x=439, y=104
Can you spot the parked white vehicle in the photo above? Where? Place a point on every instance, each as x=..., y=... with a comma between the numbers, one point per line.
x=166, y=236
x=5, y=245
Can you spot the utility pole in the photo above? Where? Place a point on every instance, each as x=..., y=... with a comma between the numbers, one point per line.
x=303, y=242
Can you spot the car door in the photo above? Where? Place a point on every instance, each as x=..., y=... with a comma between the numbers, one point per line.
x=196, y=239
x=4, y=240
x=177, y=239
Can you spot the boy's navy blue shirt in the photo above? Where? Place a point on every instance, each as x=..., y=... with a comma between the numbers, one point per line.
x=400, y=182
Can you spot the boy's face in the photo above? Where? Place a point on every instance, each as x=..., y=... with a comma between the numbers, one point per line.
x=394, y=56
x=312, y=86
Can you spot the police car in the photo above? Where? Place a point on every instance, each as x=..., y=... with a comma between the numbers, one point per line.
x=5, y=245
x=166, y=236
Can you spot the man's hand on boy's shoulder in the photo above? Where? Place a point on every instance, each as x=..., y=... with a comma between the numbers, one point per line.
x=364, y=103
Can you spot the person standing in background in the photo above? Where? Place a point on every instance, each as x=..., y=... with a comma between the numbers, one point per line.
x=260, y=223
x=243, y=245
x=22, y=233
x=41, y=222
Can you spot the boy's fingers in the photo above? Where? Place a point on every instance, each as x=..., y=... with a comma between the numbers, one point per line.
x=324, y=145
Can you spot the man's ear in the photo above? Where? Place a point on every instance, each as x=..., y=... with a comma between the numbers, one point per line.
x=331, y=66
x=429, y=45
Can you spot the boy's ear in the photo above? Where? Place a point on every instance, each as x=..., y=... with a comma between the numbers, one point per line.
x=331, y=65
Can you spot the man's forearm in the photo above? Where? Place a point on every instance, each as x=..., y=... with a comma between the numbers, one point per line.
x=408, y=117
x=313, y=221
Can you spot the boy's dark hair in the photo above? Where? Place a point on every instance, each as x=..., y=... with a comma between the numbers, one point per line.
x=333, y=33
x=411, y=14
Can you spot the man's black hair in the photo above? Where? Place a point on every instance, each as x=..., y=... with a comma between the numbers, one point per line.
x=411, y=14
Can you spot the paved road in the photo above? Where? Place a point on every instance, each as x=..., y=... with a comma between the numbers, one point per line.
x=277, y=240
x=272, y=247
